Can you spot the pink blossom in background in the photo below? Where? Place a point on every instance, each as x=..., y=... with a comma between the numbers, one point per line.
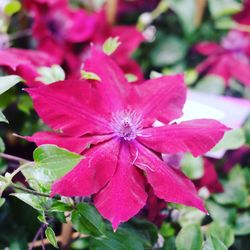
x=210, y=179
x=229, y=59
x=57, y=26
x=116, y=118
x=128, y=6
x=244, y=16
x=24, y=63
x=239, y=156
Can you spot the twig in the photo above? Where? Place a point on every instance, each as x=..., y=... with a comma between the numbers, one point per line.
x=13, y=158
x=38, y=233
x=200, y=4
x=111, y=10
x=30, y=191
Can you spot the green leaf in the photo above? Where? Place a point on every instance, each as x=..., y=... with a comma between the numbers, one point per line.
x=211, y=84
x=189, y=238
x=213, y=243
x=25, y=104
x=87, y=220
x=2, y=145
x=51, y=74
x=32, y=200
x=6, y=82
x=3, y=118
x=90, y=76
x=224, y=233
x=55, y=160
x=50, y=235
x=111, y=45
x=2, y=201
x=223, y=7
x=233, y=195
x=232, y=139
x=242, y=226
x=220, y=214
x=12, y=7
x=187, y=18
x=122, y=239
x=168, y=50
x=59, y=206
x=3, y=184
x=192, y=166
x=131, y=77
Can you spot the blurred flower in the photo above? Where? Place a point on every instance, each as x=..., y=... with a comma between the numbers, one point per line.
x=24, y=63
x=239, y=156
x=210, y=178
x=244, y=16
x=110, y=122
x=229, y=59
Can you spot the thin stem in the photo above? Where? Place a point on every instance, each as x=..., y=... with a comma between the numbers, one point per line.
x=38, y=233
x=13, y=158
x=20, y=34
x=30, y=191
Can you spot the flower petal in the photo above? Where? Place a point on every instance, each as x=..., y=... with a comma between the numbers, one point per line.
x=69, y=106
x=161, y=98
x=208, y=48
x=113, y=87
x=124, y=195
x=75, y=144
x=168, y=183
x=195, y=136
x=91, y=174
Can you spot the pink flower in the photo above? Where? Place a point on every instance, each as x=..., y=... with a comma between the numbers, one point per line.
x=244, y=16
x=229, y=59
x=111, y=123
x=24, y=63
x=56, y=26
x=210, y=178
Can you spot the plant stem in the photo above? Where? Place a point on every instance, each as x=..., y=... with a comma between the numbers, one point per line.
x=13, y=158
x=30, y=191
x=111, y=10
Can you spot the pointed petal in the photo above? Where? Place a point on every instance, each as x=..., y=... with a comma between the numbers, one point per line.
x=75, y=144
x=208, y=48
x=124, y=195
x=91, y=174
x=161, y=98
x=113, y=87
x=69, y=106
x=168, y=183
x=195, y=136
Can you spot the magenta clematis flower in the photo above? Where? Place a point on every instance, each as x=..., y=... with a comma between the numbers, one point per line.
x=57, y=26
x=24, y=63
x=244, y=16
x=229, y=59
x=111, y=123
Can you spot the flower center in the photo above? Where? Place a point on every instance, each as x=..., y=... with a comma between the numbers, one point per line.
x=235, y=42
x=126, y=124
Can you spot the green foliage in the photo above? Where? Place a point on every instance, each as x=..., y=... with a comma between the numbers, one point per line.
x=224, y=7
x=111, y=45
x=87, y=220
x=50, y=235
x=189, y=238
x=6, y=82
x=12, y=7
x=211, y=84
x=213, y=243
x=192, y=166
x=90, y=76
x=51, y=74
x=232, y=139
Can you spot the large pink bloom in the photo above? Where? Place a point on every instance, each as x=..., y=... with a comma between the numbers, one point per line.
x=229, y=59
x=110, y=122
